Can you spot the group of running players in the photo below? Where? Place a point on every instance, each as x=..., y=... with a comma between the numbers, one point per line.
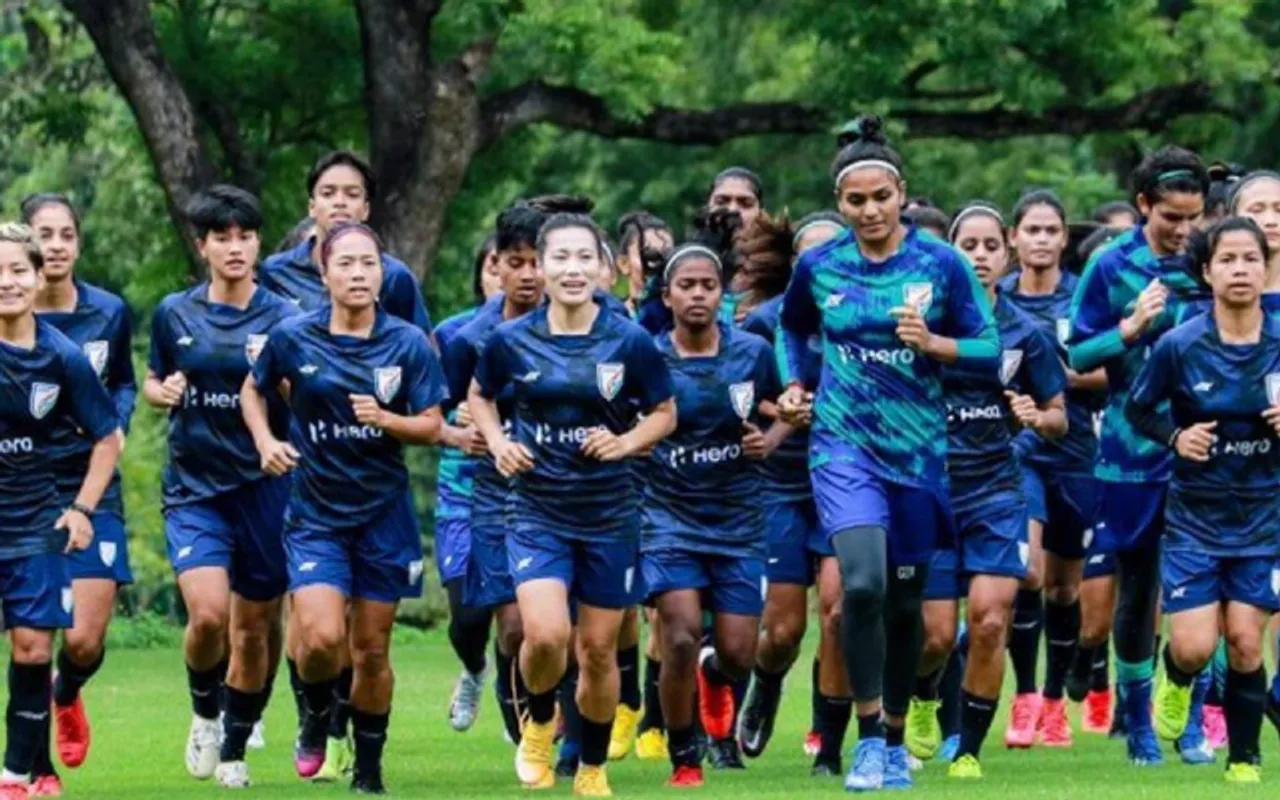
x=901, y=408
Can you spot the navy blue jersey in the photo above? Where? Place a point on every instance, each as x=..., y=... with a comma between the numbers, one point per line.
x=349, y=473
x=294, y=276
x=211, y=451
x=42, y=389
x=701, y=493
x=786, y=471
x=652, y=314
x=1227, y=506
x=564, y=387
x=980, y=425
x=1073, y=454
x=99, y=324
x=455, y=471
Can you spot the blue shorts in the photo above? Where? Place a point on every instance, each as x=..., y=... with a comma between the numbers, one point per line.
x=489, y=583
x=604, y=574
x=796, y=542
x=35, y=592
x=1067, y=505
x=729, y=585
x=453, y=547
x=1098, y=563
x=108, y=557
x=1130, y=516
x=993, y=541
x=918, y=521
x=381, y=561
x=1192, y=579
x=239, y=531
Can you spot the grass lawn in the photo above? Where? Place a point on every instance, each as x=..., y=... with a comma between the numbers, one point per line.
x=140, y=712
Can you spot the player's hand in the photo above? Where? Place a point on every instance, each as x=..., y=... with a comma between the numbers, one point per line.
x=754, y=444
x=511, y=458
x=1149, y=306
x=604, y=445
x=912, y=330
x=367, y=410
x=795, y=406
x=1193, y=443
x=462, y=415
x=473, y=443
x=120, y=437
x=276, y=457
x=1272, y=416
x=1024, y=409
x=79, y=529
x=172, y=389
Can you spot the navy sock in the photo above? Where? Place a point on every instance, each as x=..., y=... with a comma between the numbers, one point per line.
x=205, y=687
x=370, y=739
x=27, y=715
x=629, y=675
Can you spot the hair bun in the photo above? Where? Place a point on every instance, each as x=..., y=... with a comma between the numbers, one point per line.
x=561, y=204
x=869, y=128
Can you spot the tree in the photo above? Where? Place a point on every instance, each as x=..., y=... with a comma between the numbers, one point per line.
x=430, y=87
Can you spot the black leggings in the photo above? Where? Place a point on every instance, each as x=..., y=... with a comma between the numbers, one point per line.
x=881, y=630
x=1135, y=621
x=468, y=628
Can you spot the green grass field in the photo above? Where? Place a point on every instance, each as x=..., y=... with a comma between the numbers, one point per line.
x=139, y=709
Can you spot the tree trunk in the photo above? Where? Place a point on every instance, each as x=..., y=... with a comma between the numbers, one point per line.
x=125, y=37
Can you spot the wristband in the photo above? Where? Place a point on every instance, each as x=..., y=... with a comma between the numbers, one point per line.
x=1173, y=439
x=83, y=509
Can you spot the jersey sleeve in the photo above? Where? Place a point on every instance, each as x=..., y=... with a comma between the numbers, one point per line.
x=88, y=403
x=969, y=320
x=159, y=358
x=1043, y=375
x=1153, y=386
x=1095, y=325
x=459, y=365
x=121, y=381
x=495, y=366
x=272, y=364
x=768, y=386
x=424, y=379
x=648, y=381
x=798, y=319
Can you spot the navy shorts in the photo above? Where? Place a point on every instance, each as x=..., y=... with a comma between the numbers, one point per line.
x=1067, y=505
x=729, y=584
x=453, y=547
x=795, y=541
x=108, y=557
x=603, y=574
x=1130, y=516
x=918, y=521
x=489, y=583
x=992, y=541
x=381, y=561
x=35, y=592
x=1194, y=579
x=239, y=531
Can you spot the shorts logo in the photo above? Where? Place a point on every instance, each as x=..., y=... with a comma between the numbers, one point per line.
x=524, y=563
x=253, y=345
x=1273, y=389
x=919, y=296
x=107, y=552
x=609, y=378
x=1275, y=582
x=1178, y=593
x=1064, y=331
x=307, y=566
x=183, y=552
x=1009, y=363
x=68, y=599
x=628, y=579
x=415, y=571
x=386, y=383
x=96, y=352
x=1024, y=553
x=743, y=397
x=43, y=398
x=1088, y=538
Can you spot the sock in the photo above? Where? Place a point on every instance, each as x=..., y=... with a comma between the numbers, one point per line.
x=1174, y=673
x=682, y=745
x=319, y=699
x=1218, y=691
x=242, y=712
x=894, y=735
x=508, y=673
x=711, y=671
x=769, y=682
x=27, y=715
x=653, y=719
x=341, y=713
x=1246, y=700
x=567, y=693
x=542, y=707
x=815, y=697
x=949, y=692
x=72, y=677
x=370, y=737
x=871, y=726
x=205, y=688
x=927, y=685
x=835, y=722
x=1100, y=679
x=1024, y=639
x=295, y=685
x=268, y=687
x=629, y=675
x=976, y=714
x=1061, y=632
x=223, y=667
x=595, y=742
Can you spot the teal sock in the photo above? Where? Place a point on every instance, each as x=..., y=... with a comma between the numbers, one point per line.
x=1127, y=672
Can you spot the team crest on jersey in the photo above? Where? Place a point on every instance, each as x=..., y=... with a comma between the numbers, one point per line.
x=107, y=551
x=386, y=383
x=743, y=397
x=609, y=379
x=1064, y=331
x=96, y=352
x=44, y=396
x=1273, y=389
x=918, y=295
x=1011, y=360
x=253, y=345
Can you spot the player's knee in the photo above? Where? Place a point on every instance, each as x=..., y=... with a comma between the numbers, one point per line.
x=82, y=647
x=547, y=636
x=369, y=657
x=207, y=623
x=34, y=649
x=597, y=659
x=785, y=632
x=1244, y=648
x=323, y=637
x=832, y=619
x=1034, y=580
x=682, y=646
x=1061, y=594
x=939, y=637
x=988, y=626
x=736, y=659
x=509, y=639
